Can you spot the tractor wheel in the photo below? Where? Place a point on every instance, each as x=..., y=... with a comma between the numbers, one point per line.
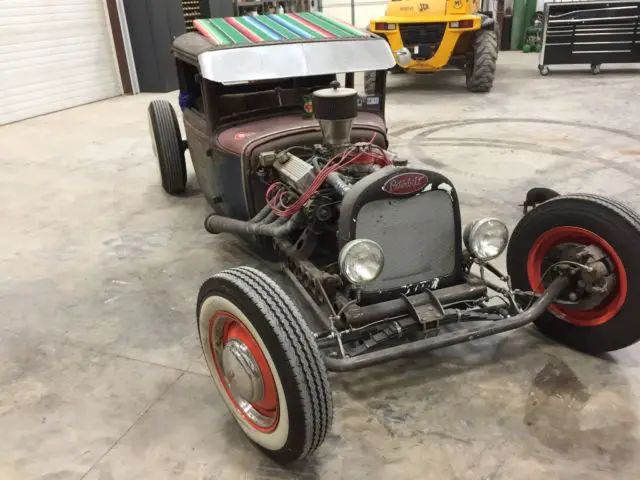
x=265, y=363
x=591, y=319
x=482, y=68
x=370, y=79
x=370, y=83
x=167, y=146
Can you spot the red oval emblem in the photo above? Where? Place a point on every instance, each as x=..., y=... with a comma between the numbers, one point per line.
x=242, y=135
x=405, y=183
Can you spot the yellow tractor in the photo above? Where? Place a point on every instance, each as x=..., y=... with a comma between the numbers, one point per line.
x=430, y=35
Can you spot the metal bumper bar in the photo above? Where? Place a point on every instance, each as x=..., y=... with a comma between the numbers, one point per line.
x=448, y=339
x=357, y=316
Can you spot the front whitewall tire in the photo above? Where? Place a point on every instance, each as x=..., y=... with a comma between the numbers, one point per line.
x=305, y=407
x=273, y=440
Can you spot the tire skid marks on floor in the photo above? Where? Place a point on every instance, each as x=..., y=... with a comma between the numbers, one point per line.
x=418, y=141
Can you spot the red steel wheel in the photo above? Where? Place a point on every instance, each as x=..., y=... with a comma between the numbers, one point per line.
x=265, y=363
x=575, y=235
x=244, y=371
x=595, y=324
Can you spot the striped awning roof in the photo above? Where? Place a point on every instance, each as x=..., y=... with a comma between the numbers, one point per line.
x=290, y=27
x=269, y=47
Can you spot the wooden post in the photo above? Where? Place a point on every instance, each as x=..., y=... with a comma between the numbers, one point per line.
x=118, y=43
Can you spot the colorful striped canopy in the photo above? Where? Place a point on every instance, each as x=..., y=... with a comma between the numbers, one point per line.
x=290, y=27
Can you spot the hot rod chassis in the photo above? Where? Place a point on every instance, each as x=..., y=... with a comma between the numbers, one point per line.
x=352, y=336
x=378, y=262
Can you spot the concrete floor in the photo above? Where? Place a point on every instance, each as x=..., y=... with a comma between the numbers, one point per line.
x=101, y=375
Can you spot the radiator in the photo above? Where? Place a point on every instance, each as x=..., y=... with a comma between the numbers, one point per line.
x=417, y=235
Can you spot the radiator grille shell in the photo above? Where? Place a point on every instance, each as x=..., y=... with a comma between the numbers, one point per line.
x=417, y=235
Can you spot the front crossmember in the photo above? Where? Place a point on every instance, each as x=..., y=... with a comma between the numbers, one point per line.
x=441, y=340
x=360, y=336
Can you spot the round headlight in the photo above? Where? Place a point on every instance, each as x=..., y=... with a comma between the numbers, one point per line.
x=361, y=261
x=486, y=239
x=404, y=56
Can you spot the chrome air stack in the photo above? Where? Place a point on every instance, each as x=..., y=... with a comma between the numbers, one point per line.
x=335, y=109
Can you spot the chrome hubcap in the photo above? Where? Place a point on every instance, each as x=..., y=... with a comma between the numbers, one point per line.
x=242, y=373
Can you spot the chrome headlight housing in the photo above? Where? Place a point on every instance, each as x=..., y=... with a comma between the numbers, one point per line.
x=486, y=238
x=361, y=261
x=404, y=56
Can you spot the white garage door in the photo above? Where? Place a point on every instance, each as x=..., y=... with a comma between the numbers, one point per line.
x=364, y=10
x=54, y=54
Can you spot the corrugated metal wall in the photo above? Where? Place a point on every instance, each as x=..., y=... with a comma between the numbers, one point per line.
x=191, y=11
x=54, y=54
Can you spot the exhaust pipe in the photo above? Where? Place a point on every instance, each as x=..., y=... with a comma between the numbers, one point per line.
x=215, y=224
x=262, y=215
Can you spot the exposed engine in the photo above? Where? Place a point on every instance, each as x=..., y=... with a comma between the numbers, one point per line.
x=320, y=199
x=313, y=179
x=317, y=175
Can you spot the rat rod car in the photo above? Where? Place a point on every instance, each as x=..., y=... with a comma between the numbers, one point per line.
x=372, y=247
